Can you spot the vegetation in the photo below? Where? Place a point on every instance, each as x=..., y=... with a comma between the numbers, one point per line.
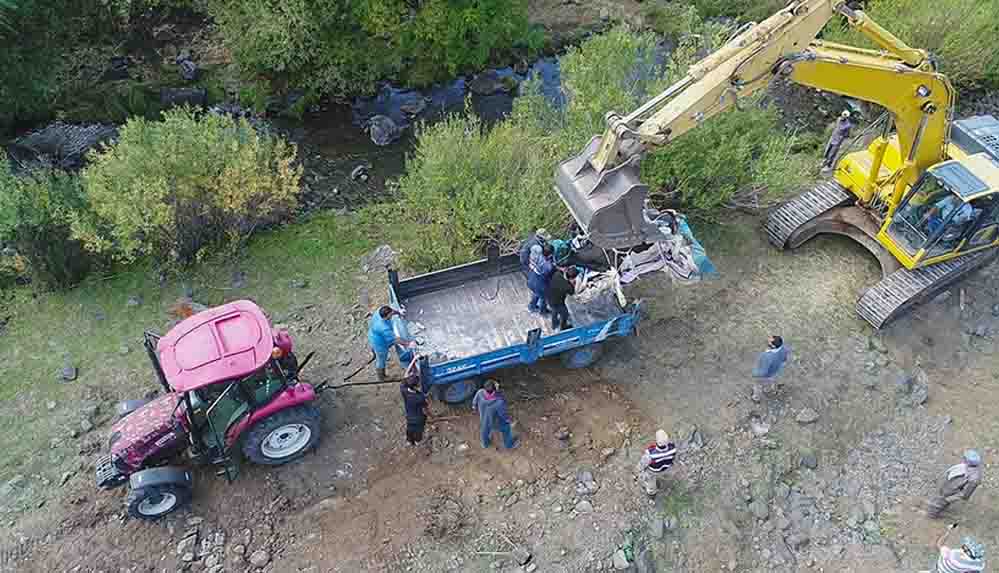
x=339, y=47
x=35, y=213
x=958, y=33
x=174, y=188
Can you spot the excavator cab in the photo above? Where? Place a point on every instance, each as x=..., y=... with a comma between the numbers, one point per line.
x=949, y=212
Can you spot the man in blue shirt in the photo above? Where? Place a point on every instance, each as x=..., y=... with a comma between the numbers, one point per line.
x=491, y=406
x=382, y=337
x=769, y=365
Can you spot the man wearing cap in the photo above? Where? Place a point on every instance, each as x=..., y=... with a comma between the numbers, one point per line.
x=382, y=337
x=769, y=364
x=539, y=238
x=968, y=558
x=656, y=459
x=841, y=131
x=959, y=482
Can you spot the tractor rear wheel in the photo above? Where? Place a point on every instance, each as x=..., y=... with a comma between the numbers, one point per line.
x=283, y=437
x=155, y=501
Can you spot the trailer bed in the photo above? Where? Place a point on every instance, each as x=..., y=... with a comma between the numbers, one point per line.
x=476, y=317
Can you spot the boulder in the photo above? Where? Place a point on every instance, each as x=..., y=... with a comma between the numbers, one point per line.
x=807, y=416
x=383, y=130
x=490, y=82
x=809, y=459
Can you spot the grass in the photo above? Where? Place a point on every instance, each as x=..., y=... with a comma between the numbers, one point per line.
x=89, y=325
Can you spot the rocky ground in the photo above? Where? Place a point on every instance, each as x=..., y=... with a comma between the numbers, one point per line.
x=830, y=475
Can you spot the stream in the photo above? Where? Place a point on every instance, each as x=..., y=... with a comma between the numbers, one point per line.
x=333, y=140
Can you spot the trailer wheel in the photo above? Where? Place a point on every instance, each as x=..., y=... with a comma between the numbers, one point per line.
x=456, y=392
x=581, y=357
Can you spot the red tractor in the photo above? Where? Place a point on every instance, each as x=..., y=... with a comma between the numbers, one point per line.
x=231, y=383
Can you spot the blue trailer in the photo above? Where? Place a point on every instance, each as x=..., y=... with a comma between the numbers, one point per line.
x=473, y=320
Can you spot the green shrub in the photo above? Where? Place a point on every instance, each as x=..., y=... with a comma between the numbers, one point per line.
x=35, y=213
x=172, y=189
x=671, y=20
x=744, y=10
x=960, y=33
x=340, y=47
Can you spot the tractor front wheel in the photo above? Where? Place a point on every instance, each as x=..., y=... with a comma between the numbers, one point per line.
x=155, y=501
x=283, y=437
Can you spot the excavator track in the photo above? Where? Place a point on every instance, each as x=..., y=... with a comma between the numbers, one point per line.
x=903, y=289
x=789, y=217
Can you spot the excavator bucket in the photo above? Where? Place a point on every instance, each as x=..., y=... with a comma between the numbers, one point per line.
x=610, y=207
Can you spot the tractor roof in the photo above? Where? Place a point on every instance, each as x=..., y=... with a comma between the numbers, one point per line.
x=219, y=344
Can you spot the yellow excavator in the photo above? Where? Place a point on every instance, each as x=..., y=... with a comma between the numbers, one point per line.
x=923, y=197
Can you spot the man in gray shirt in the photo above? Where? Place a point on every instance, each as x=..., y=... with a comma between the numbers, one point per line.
x=957, y=483
x=841, y=131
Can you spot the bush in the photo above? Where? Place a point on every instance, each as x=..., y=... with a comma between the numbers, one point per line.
x=741, y=151
x=35, y=213
x=325, y=46
x=172, y=189
x=960, y=33
x=744, y=10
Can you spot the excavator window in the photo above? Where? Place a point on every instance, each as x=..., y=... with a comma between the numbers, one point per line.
x=935, y=218
x=987, y=230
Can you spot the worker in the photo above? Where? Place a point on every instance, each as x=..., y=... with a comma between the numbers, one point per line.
x=968, y=558
x=958, y=482
x=491, y=406
x=382, y=337
x=539, y=238
x=841, y=131
x=656, y=459
x=562, y=284
x=414, y=403
x=769, y=365
x=538, y=276
x=941, y=210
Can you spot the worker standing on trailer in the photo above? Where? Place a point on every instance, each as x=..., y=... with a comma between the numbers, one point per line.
x=968, y=558
x=841, y=131
x=959, y=482
x=382, y=337
x=656, y=459
x=539, y=238
x=769, y=365
x=539, y=275
x=562, y=285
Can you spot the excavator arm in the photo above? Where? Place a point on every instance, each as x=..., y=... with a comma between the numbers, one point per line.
x=601, y=186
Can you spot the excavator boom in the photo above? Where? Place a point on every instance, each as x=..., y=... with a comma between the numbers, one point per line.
x=602, y=187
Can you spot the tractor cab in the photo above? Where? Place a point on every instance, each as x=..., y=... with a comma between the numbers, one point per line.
x=950, y=211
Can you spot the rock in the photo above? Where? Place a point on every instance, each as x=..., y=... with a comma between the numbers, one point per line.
x=657, y=528
x=133, y=301
x=259, y=558
x=620, y=560
x=187, y=544
x=239, y=549
x=782, y=491
x=195, y=521
x=187, y=557
x=584, y=507
x=212, y=560
x=759, y=509
x=86, y=426
x=797, y=541
x=521, y=555
x=174, y=97
x=562, y=433
x=383, y=130
x=360, y=173
x=188, y=69
x=381, y=258
x=758, y=427
x=807, y=416
x=299, y=283
x=123, y=350
x=585, y=484
x=809, y=459
x=65, y=478
x=117, y=69
x=606, y=453
x=695, y=441
x=871, y=527
x=50, y=405
x=68, y=373
x=89, y=411
x=605, y=14
x=414, y=107
x=490, y=82
x=238, y=279
x=995, y=310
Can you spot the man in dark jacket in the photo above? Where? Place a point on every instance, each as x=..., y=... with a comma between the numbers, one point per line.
x=415, y=406
x=769, y=365
x=491, y=406
x=561, y=286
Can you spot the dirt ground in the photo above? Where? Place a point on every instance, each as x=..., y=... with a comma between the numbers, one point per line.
x=738, y=500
